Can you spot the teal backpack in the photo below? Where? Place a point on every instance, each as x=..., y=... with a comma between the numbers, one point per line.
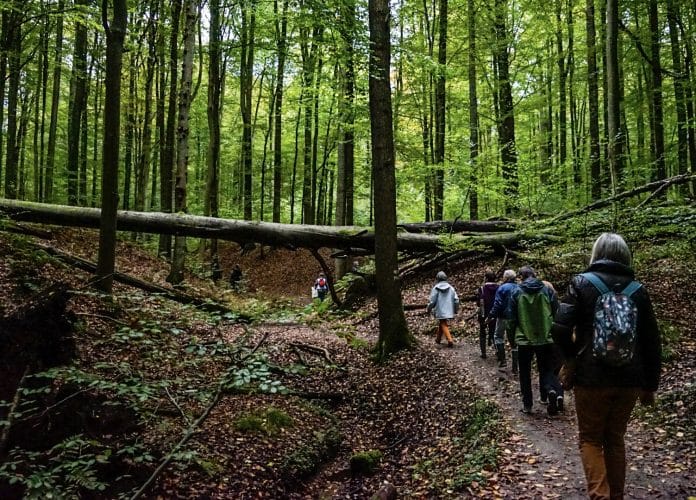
x=615, y=323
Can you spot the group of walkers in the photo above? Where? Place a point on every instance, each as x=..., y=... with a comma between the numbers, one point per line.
x=601, y=340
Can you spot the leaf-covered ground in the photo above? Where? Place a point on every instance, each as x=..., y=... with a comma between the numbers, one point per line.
x=301, y=395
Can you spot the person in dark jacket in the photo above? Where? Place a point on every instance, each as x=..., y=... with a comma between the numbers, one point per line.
x=532, y=306
x=498, y=314
x=605, y=395
x=486, y=296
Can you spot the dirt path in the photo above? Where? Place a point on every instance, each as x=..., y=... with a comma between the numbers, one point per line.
x=544, y=450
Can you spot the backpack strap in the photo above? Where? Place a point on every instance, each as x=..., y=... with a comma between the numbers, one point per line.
x=631, y=288
x=596, y=281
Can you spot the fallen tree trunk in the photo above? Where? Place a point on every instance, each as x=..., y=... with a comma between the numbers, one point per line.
x=171, y=294
x=657, y=186
x=283, y=235
x=460, y=226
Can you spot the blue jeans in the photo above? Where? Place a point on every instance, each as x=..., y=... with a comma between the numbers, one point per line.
x=547, y=378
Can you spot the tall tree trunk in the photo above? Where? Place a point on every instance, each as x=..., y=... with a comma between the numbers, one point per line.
x=130, y=132
x=246, y=82
x=142, y=174
x=506, y=125
x=309, y=60
x=689, y=97
x=213, y=111
x=78, y=101
x=168, y=153
x=473, y=115
x=593, y=100
x=562, y=99
x=176, y=274
x=393, y=331
x=4, y=40
x=613, y=96
x=660, y=171
x=281, y=29
x=55, y=102
x=439, y=178
x=679, y=96
x=14, y=49
x=115, y=35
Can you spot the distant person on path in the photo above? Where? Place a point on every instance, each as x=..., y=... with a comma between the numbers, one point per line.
x=321, y=285
x=236, y=277
x=486, y=295
x=607, y=382
x=444, y=305
x=532, y=306
x=498, y=314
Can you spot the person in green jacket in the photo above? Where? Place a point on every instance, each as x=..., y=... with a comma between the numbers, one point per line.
x=532, y=307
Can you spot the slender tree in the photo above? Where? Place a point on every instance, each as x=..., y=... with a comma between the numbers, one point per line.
x=13, y=46
x=473, y=114
x=660, y=171
x=615, y=134
x=115, y=35
x=679, y=94
x=78, y=100
x=213, y=113
x=281, y=29
x=393, y=331
x=176, y=274
x=593, y=100
x=440, y=106
x=506, y=120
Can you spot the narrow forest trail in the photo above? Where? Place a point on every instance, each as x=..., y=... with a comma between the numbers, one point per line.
x=544, y=449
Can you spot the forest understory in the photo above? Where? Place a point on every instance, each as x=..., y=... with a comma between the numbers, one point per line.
x=141, y=396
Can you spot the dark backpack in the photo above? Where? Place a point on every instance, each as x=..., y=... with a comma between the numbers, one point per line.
x=615, y=323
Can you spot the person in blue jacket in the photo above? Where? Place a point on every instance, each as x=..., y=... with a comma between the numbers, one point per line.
x=498, y=313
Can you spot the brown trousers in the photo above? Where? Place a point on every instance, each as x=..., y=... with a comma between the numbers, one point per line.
x=443, y=329
x=603, y=414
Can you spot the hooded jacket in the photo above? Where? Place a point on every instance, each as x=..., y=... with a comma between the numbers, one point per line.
x=532, y=330
x=444, y=302
x=500, y=307
x=577, y=312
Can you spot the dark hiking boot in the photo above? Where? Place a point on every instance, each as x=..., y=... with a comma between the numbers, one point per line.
x=552, y=408
x=526, y=409
x=450, y=345
x=500, y=355
x=514, y=361
x=559, y=403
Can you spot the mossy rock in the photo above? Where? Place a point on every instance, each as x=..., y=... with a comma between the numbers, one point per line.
x=365, y=462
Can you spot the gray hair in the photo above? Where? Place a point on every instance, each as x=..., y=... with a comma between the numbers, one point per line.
x=526, y=272
x=441, y=276
x=509, y=275
x=611, y=246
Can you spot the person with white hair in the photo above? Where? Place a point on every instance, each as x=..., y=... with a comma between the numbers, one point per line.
x=498, y=313
x=609, y=364
x=444, y=305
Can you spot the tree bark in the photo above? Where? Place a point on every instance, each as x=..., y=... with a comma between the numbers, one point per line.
x=281, y=29
x=679, y=95
x=660, y=171
x=616, y=139
x=176, y=275
x=473, y=115
x=393, y=331
x=351, y=238
x=13, y=40
x=506, y=123
x=440, y=81
x=593, y=98
x=115, y=35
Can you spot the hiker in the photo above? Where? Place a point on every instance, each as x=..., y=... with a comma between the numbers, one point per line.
x=606, y=386
x=498, y=314
x=321, y=285
x=532, y=307
x=444, y=305
x=486, y=295
x=235, y=277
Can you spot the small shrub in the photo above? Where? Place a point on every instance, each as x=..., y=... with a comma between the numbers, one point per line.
x=269, y=421
x=365, y=462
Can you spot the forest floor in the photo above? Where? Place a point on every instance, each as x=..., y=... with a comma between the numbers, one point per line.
x=446, y=423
